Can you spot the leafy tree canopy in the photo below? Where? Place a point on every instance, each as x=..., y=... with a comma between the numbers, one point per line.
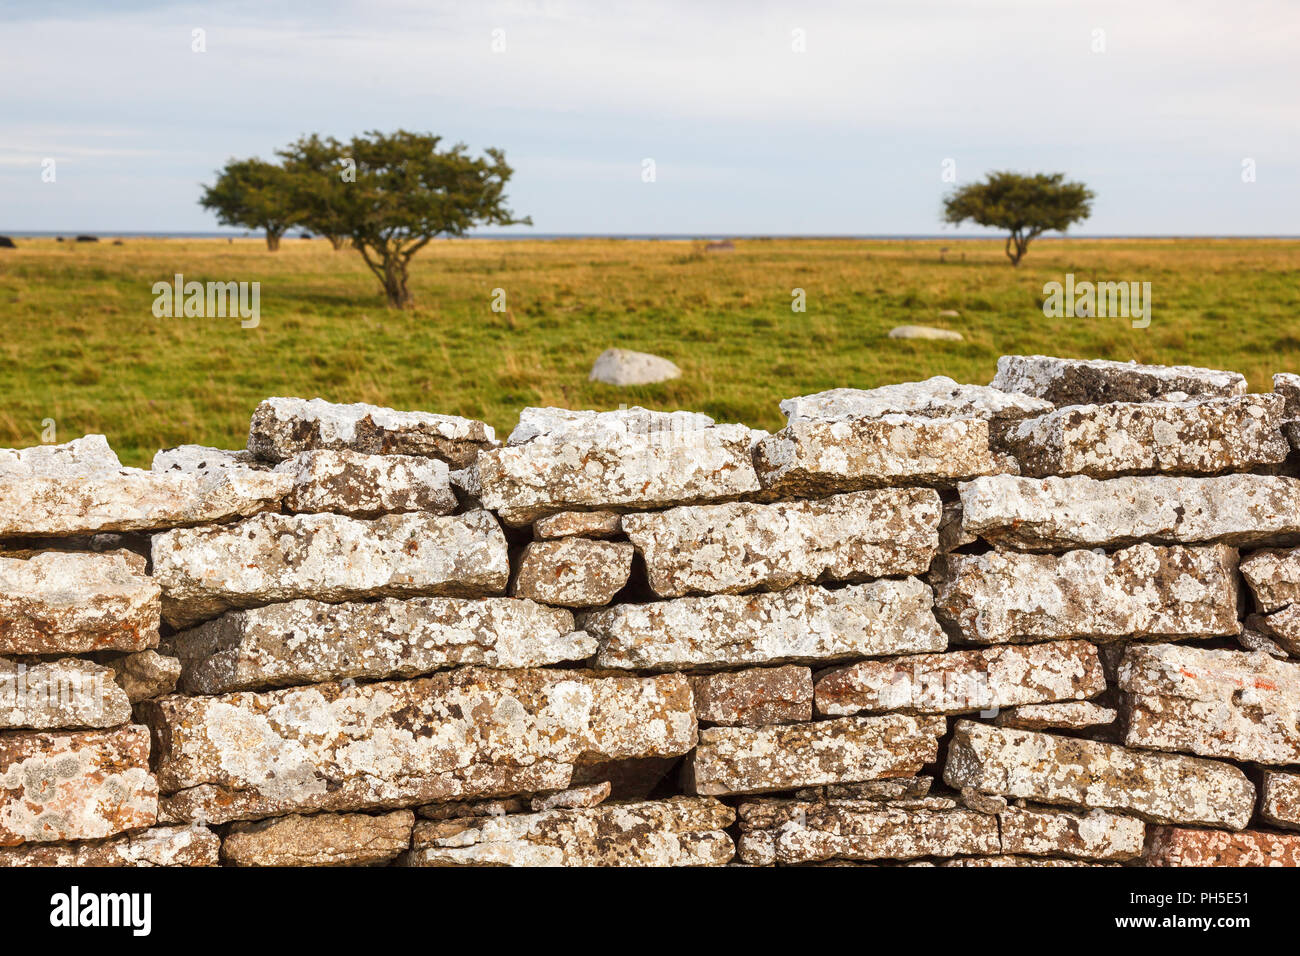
x=1025, y=205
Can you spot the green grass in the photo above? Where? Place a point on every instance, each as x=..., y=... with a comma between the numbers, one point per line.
x=79, y=343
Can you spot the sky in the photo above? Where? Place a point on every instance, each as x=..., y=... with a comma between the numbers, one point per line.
x=828, y=118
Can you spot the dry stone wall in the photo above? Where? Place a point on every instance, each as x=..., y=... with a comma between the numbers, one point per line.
x=1050, y=621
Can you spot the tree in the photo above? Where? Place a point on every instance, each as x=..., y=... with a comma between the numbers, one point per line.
x=316, y=171
x=1027, y=206
x=391, y=194
x=254, y=194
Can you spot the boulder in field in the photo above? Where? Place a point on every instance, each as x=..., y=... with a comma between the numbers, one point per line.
x=625, y=367
x=924, y=332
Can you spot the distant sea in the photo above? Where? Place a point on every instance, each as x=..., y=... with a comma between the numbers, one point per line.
x=666, y=236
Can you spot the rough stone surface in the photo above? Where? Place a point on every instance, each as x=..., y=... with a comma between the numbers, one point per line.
x=1274, y=577
x=145, y=674
x=964, y=681
x=1279, y=799
x=70, y=602
x=309, y=642
x=614, y=461
x=677, y=832
x=1097, y=381
x=816, y=457
x=1287, y=385
x=936, y=397
x=79, y=458
x=803, y=624
x=1213, y=703
x=742, y=546
x=573, y=572
x=625, y=367
x=1175, y=846
x=159, y=846
x=80, y=488
x=1094, y=835
x=283, y=427
x=79, y=785
x=1143, y=591
x=193, y=459
x=782, y=831
x=584, y=524
x=1127, y=438
x=467, y=733
x=574, y=798
x=790, y=756
x=755, y=697
x=1070, y=715
x=1046, y=768
x=584, y=424
x=1054, y=514
x=1277, y=635
x=364, y=486
x=325, y=839
x=270, y=558
x=54, y=695
x=924, y=332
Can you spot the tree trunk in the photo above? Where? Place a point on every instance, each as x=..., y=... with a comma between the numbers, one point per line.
x=272, y=240
x=399, y=297
x=338, y=242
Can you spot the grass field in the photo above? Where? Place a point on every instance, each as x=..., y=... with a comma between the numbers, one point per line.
x=79, y=343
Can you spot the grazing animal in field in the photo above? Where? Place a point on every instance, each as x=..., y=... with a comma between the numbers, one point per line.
x=7, y=243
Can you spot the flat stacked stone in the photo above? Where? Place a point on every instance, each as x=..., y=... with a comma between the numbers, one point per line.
x=1287, y=385
x=79, y=785
x=1206, y=436
x=324, y=839
x=365, y=486
x=754, y=697
x=614, y=461
x=743, y=546
x=270, y=558
x=310, y=642
x=935, y=397
x=1094, y=835
x=71, y=602
x=1068, y=715
x=192, y=845
x=1177, y=846
x=786, y=831
x=1143, y=591
x=583, y=524
x=284, y=427
x=1046, y=768
x=1210, y=702
x=811, y=457
x=803, y=624
x=81, y=488
x=463, y=734
x=1279, y=799
x=964, y=681
x=1055, y=514
x=789, y=756
x=1064, y=381
x=573, y=572
x=64, y=694
x=681, y=831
